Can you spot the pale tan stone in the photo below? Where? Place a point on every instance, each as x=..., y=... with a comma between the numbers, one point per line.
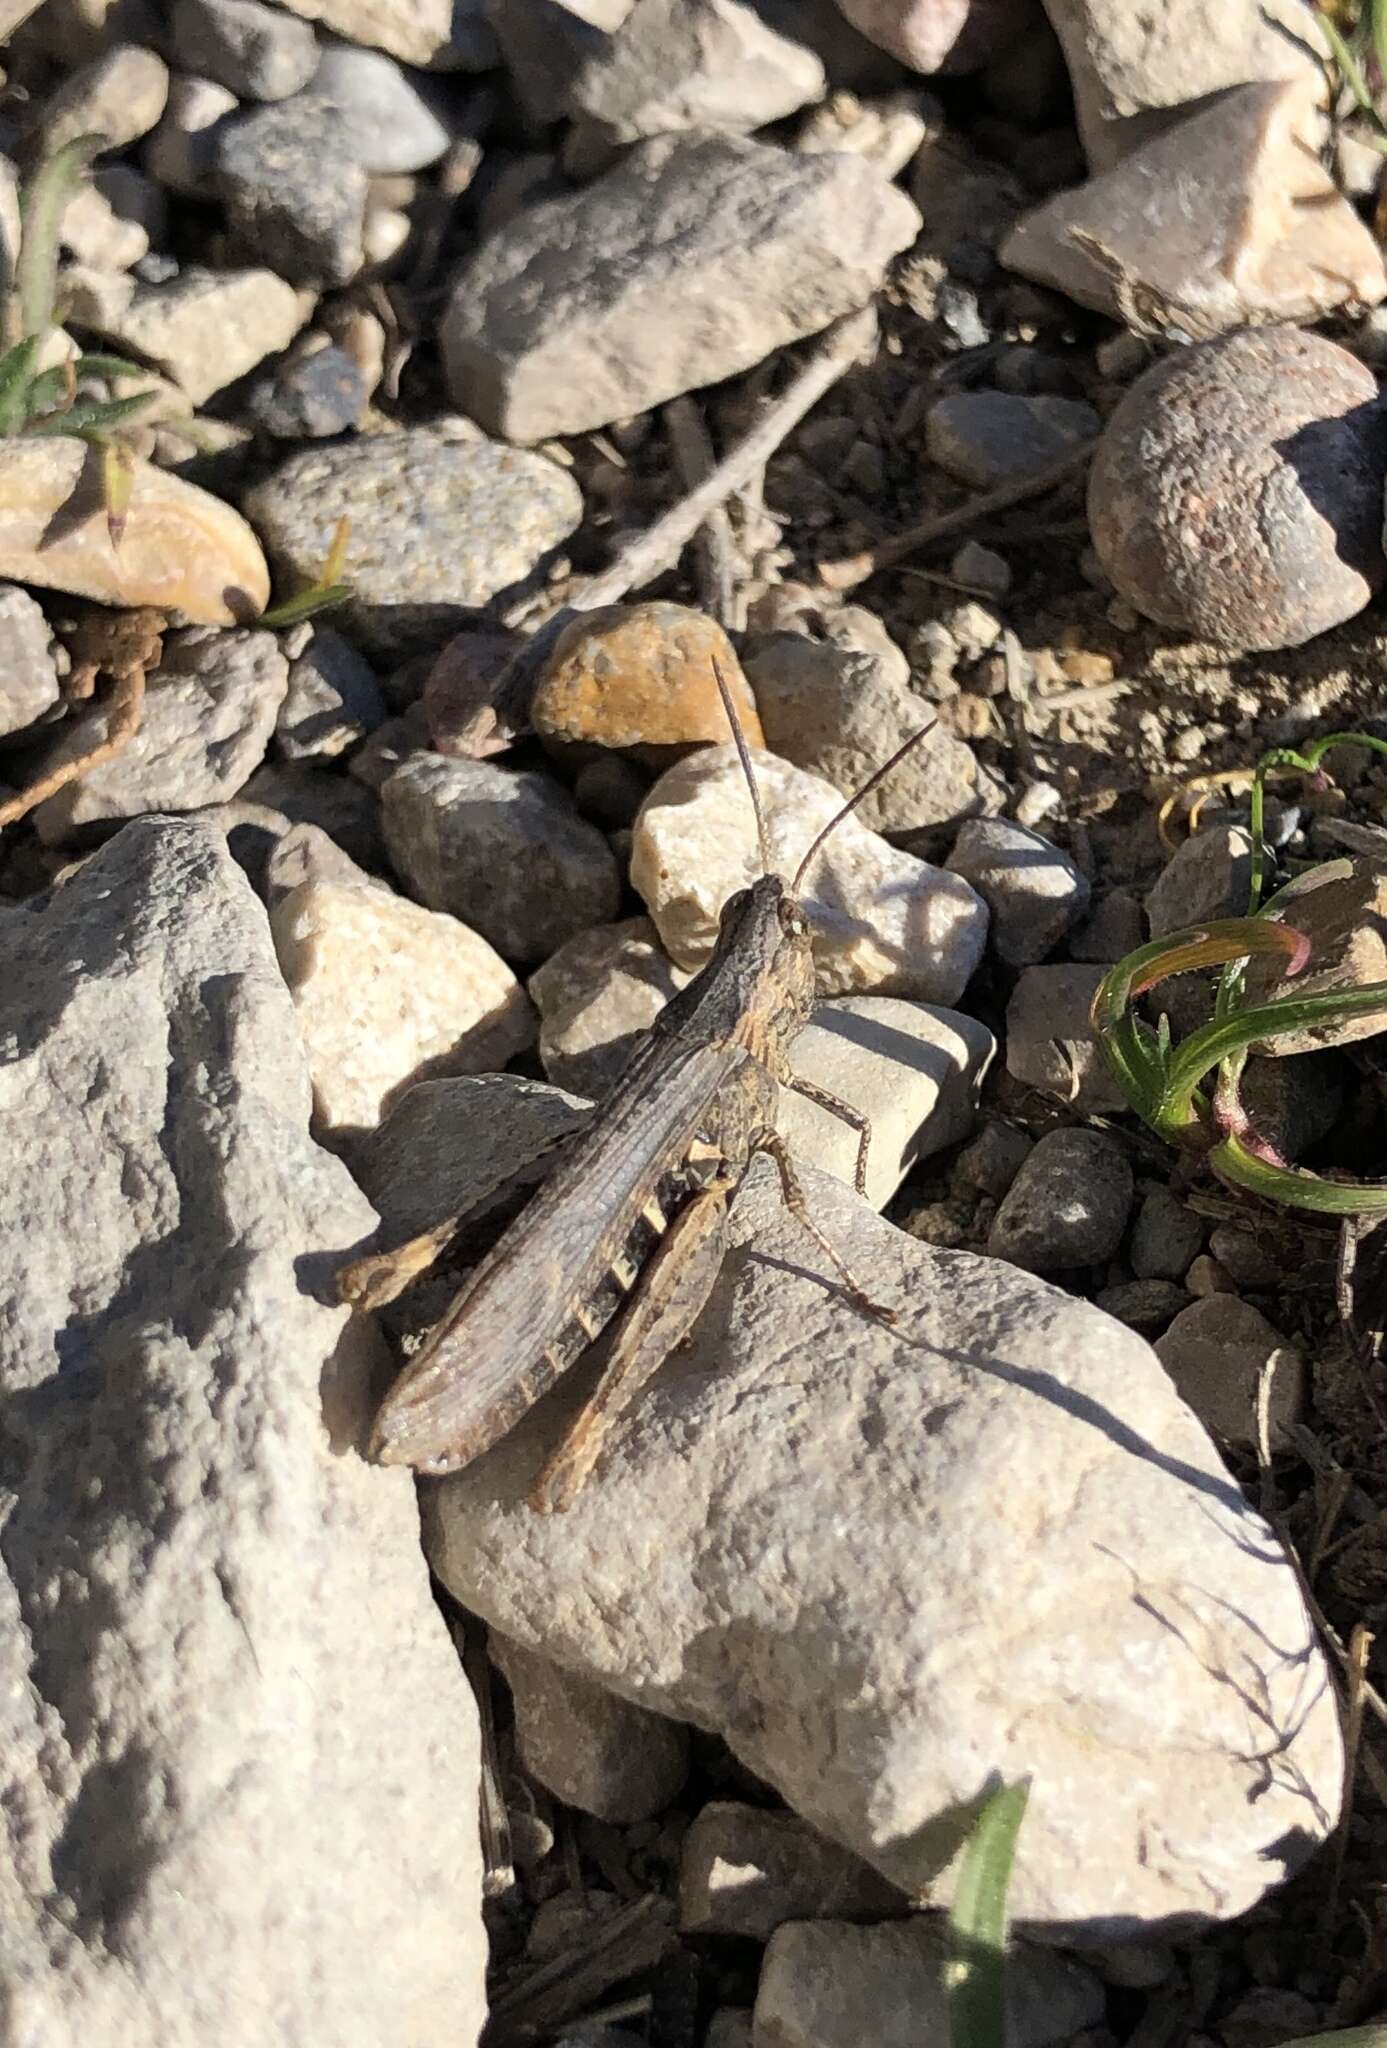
x=1227, y=220
x=183, y=550
x=386, y=991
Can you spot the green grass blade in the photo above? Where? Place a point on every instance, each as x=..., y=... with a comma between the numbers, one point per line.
x=975, y=1977
x=92, y=363
x=45, y=201
x=322, y=597
x=16, y=380
x=1292, y=1187
x=93, y=415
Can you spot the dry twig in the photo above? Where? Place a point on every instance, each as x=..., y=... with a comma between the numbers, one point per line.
x=124, y=646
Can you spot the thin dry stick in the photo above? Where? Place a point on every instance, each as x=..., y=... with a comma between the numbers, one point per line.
x=122, y=723
x=1360, y=1643
x=851, y=570
x=717, y=555
x=662, y=543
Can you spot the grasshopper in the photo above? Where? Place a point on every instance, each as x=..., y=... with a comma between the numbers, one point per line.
x=633, y=1219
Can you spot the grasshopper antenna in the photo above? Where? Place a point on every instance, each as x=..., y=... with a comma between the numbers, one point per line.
x=744, y=755
x=878, y=775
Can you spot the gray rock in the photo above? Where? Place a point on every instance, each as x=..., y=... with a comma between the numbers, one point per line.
x=1294, y=1104
x=94, y=233
x=1068, y=1205
x=729, y=2027
x=991, y=437
x=826, y=1985
x=333, y=700
x=596, y=997
x=438, y=527
x=393, y=123
x=504, y=851
x=1133, y=72
x=968, y=202
x=204, y=328
x=28, y=671
x=338, y=805
x=1247, y=1262
x=574, y=314
x=706, y=64
x=744, y=1870
x=1034, y=891
x=1216, y=1351
x=840, y=712
x=296, y=854
x=181, y=153
x=1112, y=929
x=1049, y=1038
x=311, y=397
x=806, y=1505
x=119, y=94
x=586, y=1746
x=255, y=51
x=1165, y=1237
x=994, y=1158
x=1205, y=878
x=209, y=711
x=294, y=190
x=939, y=35
x=443, y=35
x=547, y=44
x=1145, y=1305
x=230, y=1704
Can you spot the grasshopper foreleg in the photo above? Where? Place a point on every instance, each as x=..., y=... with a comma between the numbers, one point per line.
x=846, y=1114
x=793, y=1194
x=671, y=1292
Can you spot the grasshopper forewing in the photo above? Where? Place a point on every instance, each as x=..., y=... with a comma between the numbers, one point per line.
x=632, y=1219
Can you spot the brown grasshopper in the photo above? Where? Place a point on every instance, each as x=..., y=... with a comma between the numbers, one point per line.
x=633, y=1220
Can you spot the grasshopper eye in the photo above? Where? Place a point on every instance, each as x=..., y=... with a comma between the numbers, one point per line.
x=793, y=921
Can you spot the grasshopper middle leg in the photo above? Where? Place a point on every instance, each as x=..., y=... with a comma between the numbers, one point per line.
x=769, y=1140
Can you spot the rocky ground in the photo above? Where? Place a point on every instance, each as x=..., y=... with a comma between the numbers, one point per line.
x=1006, y=368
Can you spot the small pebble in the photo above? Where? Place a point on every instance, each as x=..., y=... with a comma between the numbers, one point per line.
x=585, y=1745
x=504, y=851
x=386, y=993
x=393, y=122
x=1067, y=1206
x=309, y=398
x=641, y=676
x=1216, y=1351
x=883, y=922
x=1034, y=891
x=1206, y=878
x=209, y=711
x=182, y=151
x=1111, y=931
x=1206, y=1277
x=991, y=1162
x=332, y=703
x=986, y=438
x=28, y=670
x=1165, y=1237
x=1345, y=920
x=1145, y=1305
x=982, y=569
x=120, y=95
x=294, y=191
x=746, y=1871
x=1049, y=1039
x=439, y=527
x=1246, y=1262
x=255, y=51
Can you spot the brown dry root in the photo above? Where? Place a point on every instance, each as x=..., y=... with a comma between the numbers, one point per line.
x=124, y=646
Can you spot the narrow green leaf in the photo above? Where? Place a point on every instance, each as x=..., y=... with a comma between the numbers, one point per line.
x=1346, y=63
x=1342, y=2037
x=975, y=1976
x=91, y=363
x=44, y=203
x=16, y=379
x=92, y=415
x=320, y=597
x=1292, y=1187
x=1379, y=35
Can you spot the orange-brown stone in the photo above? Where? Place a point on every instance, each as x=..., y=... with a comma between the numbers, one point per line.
x=641, y=676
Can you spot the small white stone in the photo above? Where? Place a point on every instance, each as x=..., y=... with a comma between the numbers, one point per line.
x=1216, y=1351
x=384, y=990
x=884, y=923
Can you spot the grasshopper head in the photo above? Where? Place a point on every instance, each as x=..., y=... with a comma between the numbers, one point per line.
x=765, y=941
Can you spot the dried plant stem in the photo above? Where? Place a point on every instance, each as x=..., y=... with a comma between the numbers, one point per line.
x=122, y=723
x=851, y=570
x=717, y=555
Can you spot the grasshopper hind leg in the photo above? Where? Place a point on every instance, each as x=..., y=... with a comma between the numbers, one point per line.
x=667, y=1301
